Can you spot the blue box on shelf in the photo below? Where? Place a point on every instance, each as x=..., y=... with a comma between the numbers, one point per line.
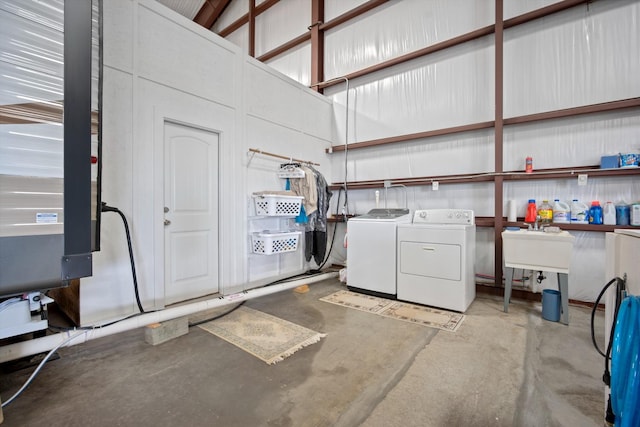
x=610, y=162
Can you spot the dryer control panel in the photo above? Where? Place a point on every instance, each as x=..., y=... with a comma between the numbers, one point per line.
x=444, y=216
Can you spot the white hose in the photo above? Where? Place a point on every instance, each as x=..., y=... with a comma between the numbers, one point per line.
x=46, y=343
x=33, y=375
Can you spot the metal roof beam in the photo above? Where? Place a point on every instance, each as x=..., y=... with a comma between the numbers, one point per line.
x=210, y=12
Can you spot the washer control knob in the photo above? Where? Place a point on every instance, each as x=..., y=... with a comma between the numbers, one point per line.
x=423, y=214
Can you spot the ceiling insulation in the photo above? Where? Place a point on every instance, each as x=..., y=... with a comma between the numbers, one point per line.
x=188, y=8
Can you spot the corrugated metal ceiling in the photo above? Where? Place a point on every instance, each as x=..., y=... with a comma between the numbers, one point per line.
x=188, y=8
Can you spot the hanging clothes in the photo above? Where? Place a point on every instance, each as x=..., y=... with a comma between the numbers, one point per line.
x=307, y=188
x=316, y=228
x=302, y=216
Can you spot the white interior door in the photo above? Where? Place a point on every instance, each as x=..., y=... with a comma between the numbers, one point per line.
x=191, y=212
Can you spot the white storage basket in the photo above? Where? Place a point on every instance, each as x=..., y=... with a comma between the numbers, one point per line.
x=268, y=243
x=277, y=205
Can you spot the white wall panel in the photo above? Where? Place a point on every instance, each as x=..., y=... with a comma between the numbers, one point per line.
x=584, y=55
x=513, y=8
x=101, y=298
x=446, y=89
x=396, y=28
x=272, y=96
x=282, y=140
x=318, y=123
x=282, y=22
x=134, y=112
x=335, y=8
x=205, y=69
x=295, y=63
x=118, y=53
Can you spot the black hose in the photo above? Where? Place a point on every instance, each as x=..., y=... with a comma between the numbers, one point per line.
x=620, y=287
x=210, y=319
x=333, y=237
x=593, y=315
x=106, y=208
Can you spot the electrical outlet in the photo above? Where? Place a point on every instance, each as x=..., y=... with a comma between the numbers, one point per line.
x=435, y=185
x=582, y=179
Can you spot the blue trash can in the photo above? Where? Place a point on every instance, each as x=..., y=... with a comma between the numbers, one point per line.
x=551, y=305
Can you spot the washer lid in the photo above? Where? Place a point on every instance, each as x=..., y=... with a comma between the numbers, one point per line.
x=384, y=214
x=628, y=232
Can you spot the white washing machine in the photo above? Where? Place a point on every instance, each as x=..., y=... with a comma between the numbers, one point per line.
x=371, y=251
x=436, y=255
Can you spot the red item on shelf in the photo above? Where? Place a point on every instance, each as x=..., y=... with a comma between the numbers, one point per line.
x=532, y=212
x=528, y=168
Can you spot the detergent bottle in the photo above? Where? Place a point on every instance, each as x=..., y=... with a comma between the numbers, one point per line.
x=595, y=213
x=532, y=212
x=579, y=212
x=609, y=213
x=561, y=212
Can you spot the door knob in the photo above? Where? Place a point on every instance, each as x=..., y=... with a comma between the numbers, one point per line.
x=167, y=222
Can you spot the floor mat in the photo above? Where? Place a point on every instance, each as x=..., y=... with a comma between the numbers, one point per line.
x=267, y=337
x=413, y=313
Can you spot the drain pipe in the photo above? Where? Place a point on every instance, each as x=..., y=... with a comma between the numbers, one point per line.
x=346, y=137
x=46, y=343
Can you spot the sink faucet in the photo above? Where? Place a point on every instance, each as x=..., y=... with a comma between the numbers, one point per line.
x=537, y=226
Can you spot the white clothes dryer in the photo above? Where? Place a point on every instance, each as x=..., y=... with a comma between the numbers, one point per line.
x=371, y=251
x=436, y=255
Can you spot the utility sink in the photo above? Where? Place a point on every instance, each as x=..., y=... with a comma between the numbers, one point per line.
x=537, y=250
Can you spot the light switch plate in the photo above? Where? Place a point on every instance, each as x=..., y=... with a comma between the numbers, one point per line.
x=582, y=179
x=435, y=185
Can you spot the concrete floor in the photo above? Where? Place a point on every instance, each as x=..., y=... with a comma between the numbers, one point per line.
x=498, y=369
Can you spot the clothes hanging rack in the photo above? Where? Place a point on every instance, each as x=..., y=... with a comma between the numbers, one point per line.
x=278, y=156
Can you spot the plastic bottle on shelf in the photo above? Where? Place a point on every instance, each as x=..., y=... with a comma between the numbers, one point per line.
x=609, y=214
x=622, y=214
x=561, y=212
x=595, y=213
x=528, y=164
x=579, y=212
x=546, y=212
x=532, y=212
x=635, y=214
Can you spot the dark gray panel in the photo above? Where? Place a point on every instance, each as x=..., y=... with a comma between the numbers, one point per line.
x=30, y=263
x=77, y=127
x=75, y=266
